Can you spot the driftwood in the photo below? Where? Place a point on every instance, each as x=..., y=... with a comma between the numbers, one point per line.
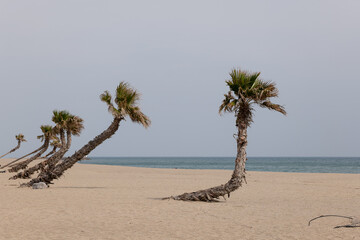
x=354, y=221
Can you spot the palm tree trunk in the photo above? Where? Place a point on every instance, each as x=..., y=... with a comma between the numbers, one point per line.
x=24, y=164
x=51, y=152
x=51, y=164
x=12, y=150
x=51, y=174
x=58, y=155
x=22, y=157
x=237, y=178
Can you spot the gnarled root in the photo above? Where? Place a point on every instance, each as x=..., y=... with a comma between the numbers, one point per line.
x=18, y=167
x=211, y=194
x=28, y=172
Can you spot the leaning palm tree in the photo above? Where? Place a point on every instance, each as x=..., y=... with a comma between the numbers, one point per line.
x=126, y=100
x=48, y=133
x=246, y=90
x=18, y=159
x=73, y=126
x=59, y=117
x=20, y=138
x=64, y=122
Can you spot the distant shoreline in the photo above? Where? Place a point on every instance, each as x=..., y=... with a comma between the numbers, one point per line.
x=342, y=165
x=257, y=164
x=206, y=169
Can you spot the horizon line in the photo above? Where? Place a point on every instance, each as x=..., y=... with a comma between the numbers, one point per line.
x=232, y=156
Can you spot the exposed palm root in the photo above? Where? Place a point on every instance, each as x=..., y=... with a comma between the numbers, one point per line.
x=354, y=221
x=48, y=175
x=44, y=176
x=28, y=172
x=211, y=194
x=19, y=166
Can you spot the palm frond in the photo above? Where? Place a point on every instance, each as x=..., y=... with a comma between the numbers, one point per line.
x=137, y=116
x=126, y=100
x=55, y=142
x=126, y=96
x=228, y=104
x=122, y=91
x=60, y=117
x=46, y=128
x=20, y=137
x=272, y=106
x=253, y=80
x=41, y=137
x=47, y=131
x=56, y=129
x=246, y=89
x=75, y=125
x=266, y=90
x=107, y=98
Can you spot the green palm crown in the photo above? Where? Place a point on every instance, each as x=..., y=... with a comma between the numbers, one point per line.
x=20, y=137
x=247, y=89
x=65, y=120
x=126, y=100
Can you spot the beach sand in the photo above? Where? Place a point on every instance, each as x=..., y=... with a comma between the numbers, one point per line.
x=114, y=202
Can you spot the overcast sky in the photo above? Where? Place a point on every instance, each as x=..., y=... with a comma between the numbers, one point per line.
x=64, y=54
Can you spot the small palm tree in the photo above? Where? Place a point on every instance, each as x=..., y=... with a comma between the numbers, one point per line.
x=55, y=143
x=48, y=133
x=126, y=105
x=65, y=122
x=245, y=91
x=18, y=159
x=20, y=138
x=59, y=118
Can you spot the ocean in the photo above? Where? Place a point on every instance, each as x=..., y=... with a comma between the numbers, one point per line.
x=265, y=164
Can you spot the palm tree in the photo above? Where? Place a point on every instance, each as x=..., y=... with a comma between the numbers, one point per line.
x=18, y=159
x=64, y=121
x=246, y=90
x=20, y=138
x=73, y=126
x=48, y=133
x=59, y=118
x=55, y=143
x=126, y=100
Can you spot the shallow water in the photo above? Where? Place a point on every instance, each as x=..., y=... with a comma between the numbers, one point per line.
x=267, y=164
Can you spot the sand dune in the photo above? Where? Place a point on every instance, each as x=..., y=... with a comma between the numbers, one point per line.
x=113, y=202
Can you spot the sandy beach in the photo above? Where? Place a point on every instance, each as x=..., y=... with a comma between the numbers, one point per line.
x=114, y=202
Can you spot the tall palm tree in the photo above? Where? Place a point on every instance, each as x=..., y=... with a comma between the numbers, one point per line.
x=48, y=133
x=20, y=138
x=245, y=91
x=126, y=102
x=65, y=121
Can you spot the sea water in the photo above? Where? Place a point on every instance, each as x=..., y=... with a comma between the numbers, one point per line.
x=267, y=164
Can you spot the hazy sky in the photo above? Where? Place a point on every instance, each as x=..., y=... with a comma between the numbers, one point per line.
x=64, y=54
